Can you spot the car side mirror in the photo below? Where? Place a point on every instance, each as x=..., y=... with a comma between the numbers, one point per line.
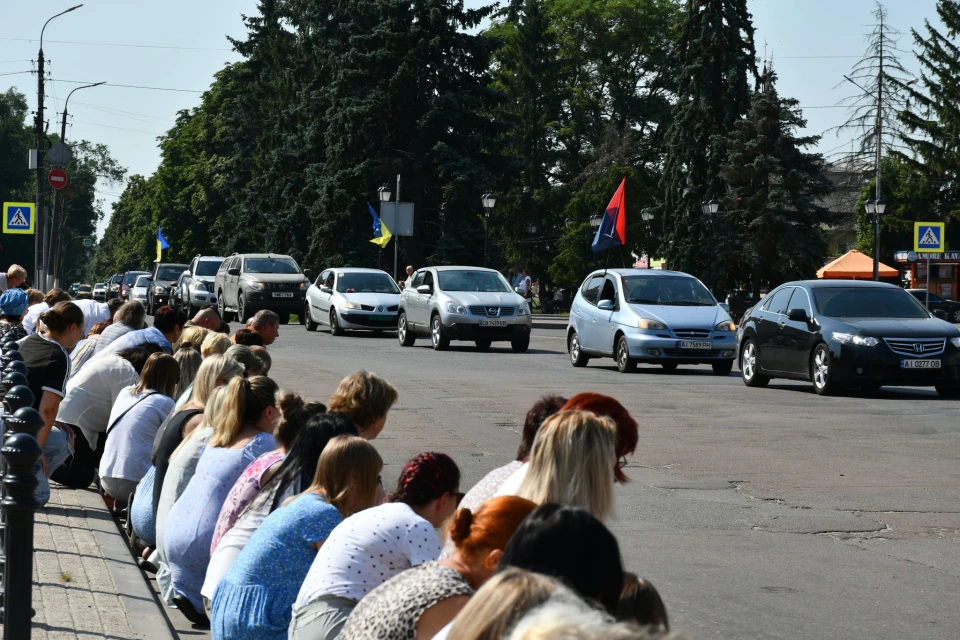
x=234, y=271
x=186, y=274
x=940, y=313
x=798, y=315
x=425, y=289
x=324, y=288
x=605, y=305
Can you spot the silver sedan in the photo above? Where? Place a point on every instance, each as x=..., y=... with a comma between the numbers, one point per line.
x=348, y=299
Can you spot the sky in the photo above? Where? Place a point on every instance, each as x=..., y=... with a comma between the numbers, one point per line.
x=176, y=46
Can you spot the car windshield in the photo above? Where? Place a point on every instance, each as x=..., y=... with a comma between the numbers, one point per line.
x=130, y=278
x=99, y=285
x=171, y=272
x=208, y=267
x=366, y=283
x=270, y=265
x=867, y=302
x=84, y=287
x=117, y=279
x=141, y=281
x=675, y=291
x=488, y=281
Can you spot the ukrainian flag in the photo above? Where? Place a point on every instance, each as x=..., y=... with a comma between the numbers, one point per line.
x=161, y=243
x=381, y=235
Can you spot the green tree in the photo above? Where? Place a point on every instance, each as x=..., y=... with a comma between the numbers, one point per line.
x=771, y=227
x=716, y=61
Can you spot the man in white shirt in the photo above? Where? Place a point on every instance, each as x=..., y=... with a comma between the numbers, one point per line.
x=13, y=278
x=94, y=312
x=33, y=312
x=526, y=285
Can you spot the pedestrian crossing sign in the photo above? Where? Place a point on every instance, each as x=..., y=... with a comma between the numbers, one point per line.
x=928, y=237
x=18, y=218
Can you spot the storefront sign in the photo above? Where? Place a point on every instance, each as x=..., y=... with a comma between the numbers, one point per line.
x=903, y=256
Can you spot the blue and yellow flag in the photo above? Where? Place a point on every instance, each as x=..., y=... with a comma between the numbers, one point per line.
x=161, y=243
x=381, y=235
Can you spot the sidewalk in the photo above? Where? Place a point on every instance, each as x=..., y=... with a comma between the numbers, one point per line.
x=86, y=583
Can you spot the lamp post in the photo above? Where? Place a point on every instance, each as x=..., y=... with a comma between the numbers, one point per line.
x=711, y=208
x=875, y=209
x=647, y=217
x=39, y=271
x=489, y=201
x=385, y=193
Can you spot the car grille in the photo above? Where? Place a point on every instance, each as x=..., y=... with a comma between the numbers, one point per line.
x=493, y=312
x=284, y=286
x=692, y=333
x=690, y=353
x=916, y=347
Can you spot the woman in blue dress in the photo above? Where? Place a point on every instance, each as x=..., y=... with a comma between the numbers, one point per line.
x=241, y=434
x=255, y=597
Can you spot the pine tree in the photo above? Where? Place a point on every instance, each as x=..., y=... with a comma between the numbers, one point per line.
x=932, y=135
x=716, y=60
x=773, y=219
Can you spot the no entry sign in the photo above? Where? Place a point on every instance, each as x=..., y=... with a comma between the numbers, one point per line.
x=57, y=178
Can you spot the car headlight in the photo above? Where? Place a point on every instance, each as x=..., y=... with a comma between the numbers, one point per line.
x=255, y=286
x=456, y=309
x=304, y=285
x=955, y=342
x=855, y=339
x=726, y=325
x=199, y=286
x=159, y=290
x=350, y=305
x=523, y=309
x=647, y=323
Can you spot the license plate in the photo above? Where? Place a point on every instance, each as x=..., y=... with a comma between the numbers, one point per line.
x=278, y=294
x=699, y=346
x=493, y=323
x=920, y=364
x=383, y=318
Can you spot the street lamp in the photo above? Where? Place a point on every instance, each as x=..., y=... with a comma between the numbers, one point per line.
x=711, y=208
x=385, y=195
x=489, y=201
x=595, y=221
x=875, y=209
x=647, y=216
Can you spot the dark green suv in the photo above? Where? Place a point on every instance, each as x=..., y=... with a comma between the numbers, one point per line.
x=249, y=282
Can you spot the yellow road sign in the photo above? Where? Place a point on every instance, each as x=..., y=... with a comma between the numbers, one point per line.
x=928, y=237
x=18, y=217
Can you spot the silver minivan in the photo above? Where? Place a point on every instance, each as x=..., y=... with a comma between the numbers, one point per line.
x=463, y=303
x=649, y=316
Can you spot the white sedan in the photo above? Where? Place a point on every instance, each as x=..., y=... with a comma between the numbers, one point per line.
x=348, y=298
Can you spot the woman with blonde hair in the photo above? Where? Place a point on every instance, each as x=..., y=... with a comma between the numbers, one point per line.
x=571, y=463
x=134, y=420
x=364, y=399
x=242, y=433
x=189, y=359
x=214, y=344
x=254, y=598
x=192, y=335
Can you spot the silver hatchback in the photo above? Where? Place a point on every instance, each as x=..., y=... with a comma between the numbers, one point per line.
x=656, y=317
x=463, y=303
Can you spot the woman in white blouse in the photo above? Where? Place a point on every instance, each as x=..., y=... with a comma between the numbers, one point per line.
x=372, y=546
x=137, y=414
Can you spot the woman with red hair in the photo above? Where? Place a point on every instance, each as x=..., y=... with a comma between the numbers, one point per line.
x=420, y=602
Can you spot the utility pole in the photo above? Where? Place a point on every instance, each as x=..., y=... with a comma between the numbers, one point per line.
x=876, y=217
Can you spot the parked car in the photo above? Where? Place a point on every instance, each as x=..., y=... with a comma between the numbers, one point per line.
x=128, y=279
x=194, y=288
x=949, y=307
x=649, y=316
x=164, y=275
x=247, y=283
x=463, y=303
x=113, y=285
x=100, y=292
x=848, y=333
x=139, y=289
x=84, y=292
x=347, y=299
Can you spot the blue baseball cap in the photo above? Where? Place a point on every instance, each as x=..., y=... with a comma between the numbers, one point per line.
x=13, y=302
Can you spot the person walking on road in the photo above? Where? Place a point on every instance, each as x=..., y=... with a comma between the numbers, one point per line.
x=525, y=288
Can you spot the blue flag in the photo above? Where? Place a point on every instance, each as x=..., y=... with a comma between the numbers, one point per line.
x=381, y=234
x=163, y=241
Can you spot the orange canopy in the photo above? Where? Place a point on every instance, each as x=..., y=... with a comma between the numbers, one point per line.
x=854, y=265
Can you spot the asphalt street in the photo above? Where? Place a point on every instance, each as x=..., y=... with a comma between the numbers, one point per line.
x=757, y=513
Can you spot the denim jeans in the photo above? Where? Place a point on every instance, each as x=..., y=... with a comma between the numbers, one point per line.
x=57, y=450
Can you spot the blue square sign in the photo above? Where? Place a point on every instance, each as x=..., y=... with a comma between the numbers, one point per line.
x=928, y=237
x=18, y=218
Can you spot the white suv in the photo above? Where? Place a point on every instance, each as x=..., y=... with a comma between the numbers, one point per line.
x=195, y=287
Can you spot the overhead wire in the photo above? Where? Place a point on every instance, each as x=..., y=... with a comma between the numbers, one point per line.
x=120, y=44
x=132, y=86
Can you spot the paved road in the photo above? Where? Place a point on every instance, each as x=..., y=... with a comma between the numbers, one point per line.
x=758, y=513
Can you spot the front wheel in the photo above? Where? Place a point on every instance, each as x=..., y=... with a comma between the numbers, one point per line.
x=404, y=335
x=722, y=368
x=241, y=309
x=483, y=345
x=308, y=319
x=948, y=390
x=669, y=366
x=750, y=366
x=335, y=328
x=225, y=315
x=577, y=357
x=956, y=317
x=821, y=371
x=440, y=341
x=520, y=345
x=625, y=364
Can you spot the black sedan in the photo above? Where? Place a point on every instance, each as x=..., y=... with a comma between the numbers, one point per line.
x=949, y=307
x=848, y=333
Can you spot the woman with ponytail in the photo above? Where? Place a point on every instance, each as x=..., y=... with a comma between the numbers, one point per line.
x=244, y=432
x=47, y=357
x=420, y=602
x=254, y=598
x=374, y=545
